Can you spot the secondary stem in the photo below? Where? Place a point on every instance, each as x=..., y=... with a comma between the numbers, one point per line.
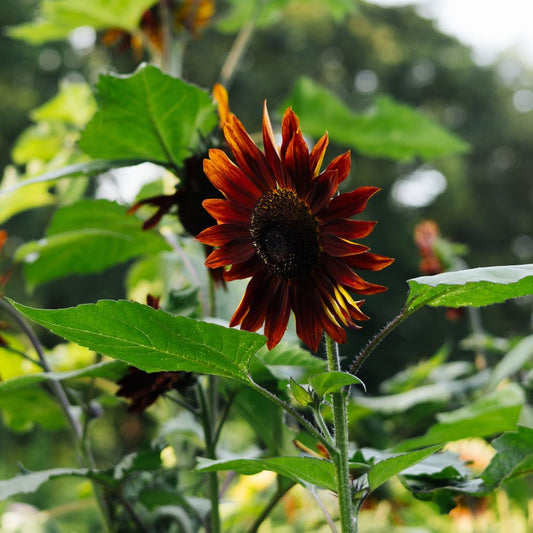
x=209, y=429
x=340, y=422
x=376, y=340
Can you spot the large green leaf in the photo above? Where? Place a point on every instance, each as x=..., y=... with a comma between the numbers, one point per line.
x=164, y=117
x=57, y=18
x=491, y=414
x=475, y=287
x=152, y=340
x=304, y=470
x=388, y=465
x=88, y=236
x=389, y=129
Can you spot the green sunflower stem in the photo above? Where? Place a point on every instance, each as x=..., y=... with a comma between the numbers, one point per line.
x=210, y=444
x=340, y=460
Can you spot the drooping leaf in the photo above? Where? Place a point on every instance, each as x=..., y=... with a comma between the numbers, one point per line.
x=12, y=203
x=491, y=414
x=164, y=117
x=475, y=287
x=304, y=470
x=513, y=361
x=152, y=340
x=88, y=236
x=388, y=129
x=26, y=483
x=441, y=478
x=514, y=457
x=57, y=18
x=111, y=370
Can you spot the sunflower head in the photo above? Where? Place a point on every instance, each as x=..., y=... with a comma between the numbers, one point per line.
x=282, y=224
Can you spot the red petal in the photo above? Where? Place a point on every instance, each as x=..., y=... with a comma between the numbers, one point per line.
x=296, y=163
x=244, y=270
x=350, y=203
x=230, y=180
x=247, y=155
x=337, y=247
x=343, y=275
x=277, y=316
x=223, y=234
x=226, y=212
x=317, y=154
x=308, y=326
x=368, y=261
x=252, y=309
x=233, y=252
x=348, y=229
x=289, y=126
x=271, y=149
x=322, y=188
x=342, y=165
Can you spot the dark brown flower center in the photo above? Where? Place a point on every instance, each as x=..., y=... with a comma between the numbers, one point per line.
x=285, y=234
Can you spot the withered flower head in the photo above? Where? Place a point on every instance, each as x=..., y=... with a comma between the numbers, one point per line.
x=144, y=388
x=193, y=189
x=280, y=224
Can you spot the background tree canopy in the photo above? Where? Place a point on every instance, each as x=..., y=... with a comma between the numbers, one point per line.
x=484, y=200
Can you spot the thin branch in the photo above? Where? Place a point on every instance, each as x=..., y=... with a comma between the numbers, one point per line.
x=22, y=354
x=238, y=48
x=59, y=391
x=329, y=520
x=276, y=497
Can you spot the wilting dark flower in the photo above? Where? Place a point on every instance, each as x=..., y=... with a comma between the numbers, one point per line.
x=280, y=224
x=189, y=15
x=144, y=388
x=193, y=189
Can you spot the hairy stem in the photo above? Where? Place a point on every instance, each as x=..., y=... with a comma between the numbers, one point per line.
x=340, y=422
x=297, y=415
x=376, y=340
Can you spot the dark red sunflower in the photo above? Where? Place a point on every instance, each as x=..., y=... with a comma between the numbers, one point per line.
x=280, y=224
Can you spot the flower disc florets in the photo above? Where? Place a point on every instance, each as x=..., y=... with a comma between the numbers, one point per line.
x=285, y=234
x=281, y=224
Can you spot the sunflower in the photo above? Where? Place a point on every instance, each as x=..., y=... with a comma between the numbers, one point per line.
x=282, y=224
